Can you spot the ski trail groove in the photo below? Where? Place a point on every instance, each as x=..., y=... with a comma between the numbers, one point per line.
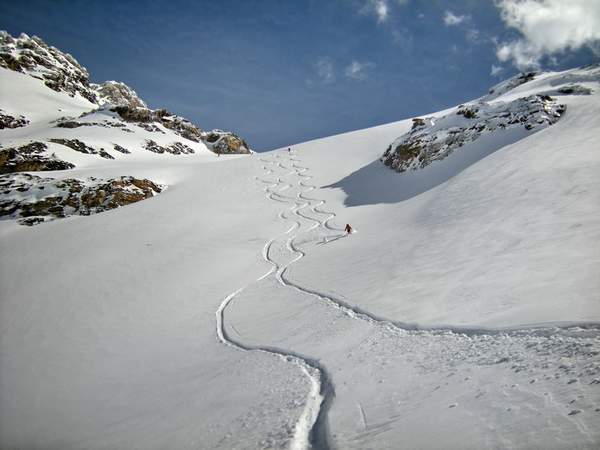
x=311, y=429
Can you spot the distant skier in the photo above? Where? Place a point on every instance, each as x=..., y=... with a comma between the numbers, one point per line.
x=289, y=149
x=348, y=229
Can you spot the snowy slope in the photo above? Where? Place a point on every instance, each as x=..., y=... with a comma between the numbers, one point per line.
x=491, y=236
x=231, y=311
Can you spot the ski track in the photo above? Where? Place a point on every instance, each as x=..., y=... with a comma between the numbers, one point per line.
x=311, y=430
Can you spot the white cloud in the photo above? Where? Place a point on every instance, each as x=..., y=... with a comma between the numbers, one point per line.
x=358, y=71
x=496, y=70
x=548, y=27
x=380, y=8
x=451, y=19
x=325, y=70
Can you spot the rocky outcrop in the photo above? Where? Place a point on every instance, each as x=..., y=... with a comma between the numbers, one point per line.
x=35, y=199
x=29, y=158
x=433, y=139
x=8, y=121
x=146, y=118
x=70, y=123
x=59, y=71
x=118, y=94
x=224, y=142
x=81, y=147
x=510, y=84
x=176, y=148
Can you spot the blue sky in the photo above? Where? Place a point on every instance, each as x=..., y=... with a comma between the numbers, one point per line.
x=280, y=72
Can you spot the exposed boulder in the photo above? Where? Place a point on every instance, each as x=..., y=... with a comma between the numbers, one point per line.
x=38, y=199
x=433, y=139
x=29, y=158
x=225, y=142
x=8, y=121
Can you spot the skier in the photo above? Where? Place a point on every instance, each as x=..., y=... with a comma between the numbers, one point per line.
x=348, y=229
x=289, y=149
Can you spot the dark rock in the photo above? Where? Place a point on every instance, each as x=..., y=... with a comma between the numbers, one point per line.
x=119, y=94
x=424, y=144
x=80, y=147
x=224, y=142
x=120, y=149
x=69, y=196
x=7, y=121
x=30, y=158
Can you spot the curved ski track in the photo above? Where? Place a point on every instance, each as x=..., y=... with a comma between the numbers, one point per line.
x=311, y=430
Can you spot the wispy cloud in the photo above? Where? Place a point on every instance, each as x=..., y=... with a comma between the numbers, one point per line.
x=379, y=8
x=358, y=71
x=496, y=70
x=451, y=19
x=325, y=70
x=548, y=27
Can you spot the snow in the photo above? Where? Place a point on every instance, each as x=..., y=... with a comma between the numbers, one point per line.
x=232, y=311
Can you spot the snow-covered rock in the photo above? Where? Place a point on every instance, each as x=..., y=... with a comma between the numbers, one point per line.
x=435, y=138
x=30, y=158
x=225, y=142
x=507, y=85
x=118, y=94
x=8, y=121
x=149, y=119
x=40, y=199
x=59, y=71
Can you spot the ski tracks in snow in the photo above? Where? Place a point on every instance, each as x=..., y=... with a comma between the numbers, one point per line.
x=311, y=428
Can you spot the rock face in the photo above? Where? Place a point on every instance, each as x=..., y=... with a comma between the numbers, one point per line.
x=59, y=71
x=8, y=121
x=80, y=147
x=225, y=142
x=39, y=199
x=118, y=94
x=217, y=141
x=510, y=84
x=433, y=139
x=29, y=158
x=176, y=148
x=149, y=118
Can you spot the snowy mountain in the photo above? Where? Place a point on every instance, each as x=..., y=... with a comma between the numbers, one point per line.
x=233, y=311
x=50, y=113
